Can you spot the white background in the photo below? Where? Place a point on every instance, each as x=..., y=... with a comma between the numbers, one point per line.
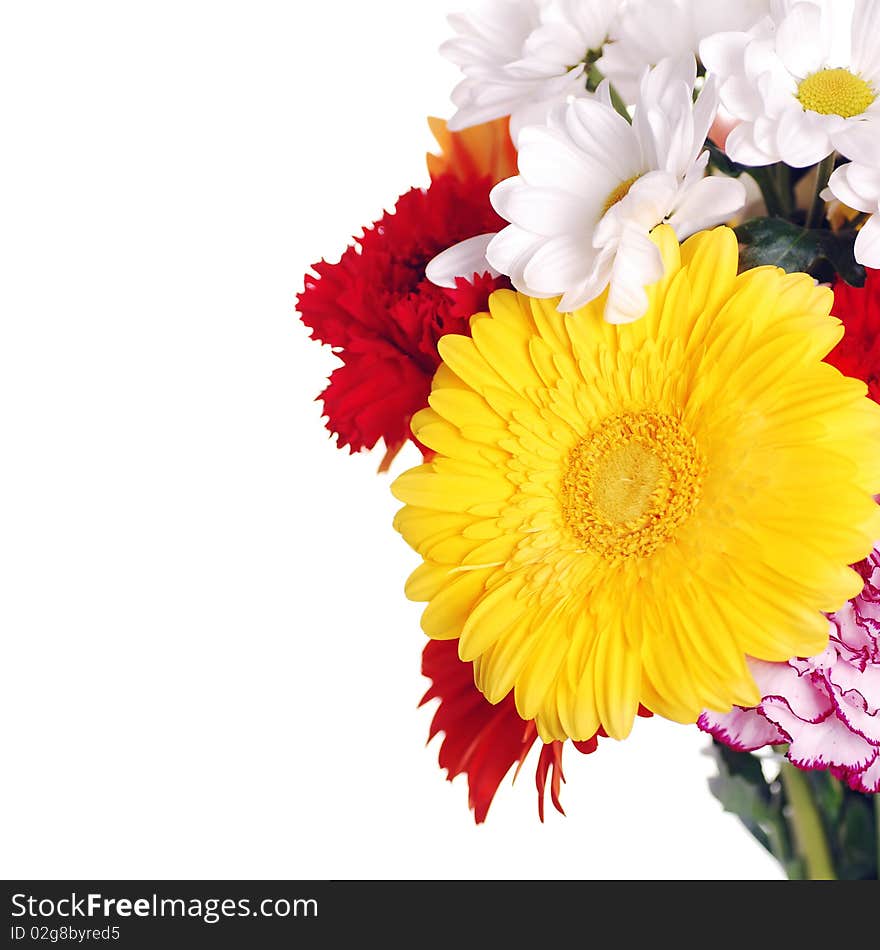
x=209, y=666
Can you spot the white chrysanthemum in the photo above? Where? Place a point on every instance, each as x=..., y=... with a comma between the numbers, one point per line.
x=650, y=30
x=804, y=82
x=592, y=187
x=520, y=57
x=858, y=186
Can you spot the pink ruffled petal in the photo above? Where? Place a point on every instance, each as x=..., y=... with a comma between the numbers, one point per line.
x=855, y=631
x=797, y=690
x=742, y=729
x=820, y=745
x=857, y=687
x=826, y=707
x=868, y=780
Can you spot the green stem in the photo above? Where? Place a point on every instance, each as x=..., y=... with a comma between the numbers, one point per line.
x=784, y=189
x=766, y=181
x=816, y=213
x=807, y=823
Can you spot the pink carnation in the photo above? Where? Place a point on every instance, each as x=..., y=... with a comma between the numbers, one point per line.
x=825, y=707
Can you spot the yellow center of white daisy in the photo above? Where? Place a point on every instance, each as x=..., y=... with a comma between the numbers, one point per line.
x=836, y=92
x=631, y=483
x=619, y=193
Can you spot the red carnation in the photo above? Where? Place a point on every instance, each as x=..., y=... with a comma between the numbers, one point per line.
x=383, y=318
x=858, y=353
x=483, y=740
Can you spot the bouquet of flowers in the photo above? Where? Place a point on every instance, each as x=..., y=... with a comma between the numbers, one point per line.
x=633, y=327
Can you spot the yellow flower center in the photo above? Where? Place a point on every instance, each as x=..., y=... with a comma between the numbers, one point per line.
x=631, y=483
x=619, y=193
x=835, y=92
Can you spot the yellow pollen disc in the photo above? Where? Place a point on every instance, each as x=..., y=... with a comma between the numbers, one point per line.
x=836, y=92
x=631, y=483
x=619, y=193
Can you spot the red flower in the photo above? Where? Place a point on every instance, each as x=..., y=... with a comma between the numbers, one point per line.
x=858, y=353
x=383, y=318
x=483, y=740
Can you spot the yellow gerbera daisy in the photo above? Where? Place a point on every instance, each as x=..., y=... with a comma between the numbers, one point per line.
x=620, y=514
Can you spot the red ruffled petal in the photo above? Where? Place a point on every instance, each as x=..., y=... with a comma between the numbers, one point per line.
x=370, y=397
x=383, y=318
x=858, y=353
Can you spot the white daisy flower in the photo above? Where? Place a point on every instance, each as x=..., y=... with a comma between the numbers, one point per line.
x=650, y=30
x=521, y=57
x=804, y=82
x=858, y=186
x=592, y=187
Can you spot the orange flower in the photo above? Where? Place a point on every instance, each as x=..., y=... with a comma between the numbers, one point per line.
x=482, y=151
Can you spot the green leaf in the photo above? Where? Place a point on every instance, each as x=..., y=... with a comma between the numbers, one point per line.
x=838, y=249
x=741, y=788
x=760, y=805
x=779, y=243
x=776, y=242
x=741, y=799
x=743, y=764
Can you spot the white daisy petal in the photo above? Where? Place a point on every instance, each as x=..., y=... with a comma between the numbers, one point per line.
x=516, y=54
x=603, y=93
x=776, y=86
x=510, y=250
x=723, y=52
x=865, y=179
x=705, y=111
x=650, y=199
x=670, y=143
x=616, y=65
x=801, y=138
x=592, y=21
x=742, y=148
x=800, y=43
x=536, y=110
x=603, y=134
x=709, y=202
x=846, y=186
x=548, y=159
x=552, y=44
x=461, y=260
x=764, y=134
x=668, y=73
x=867, y=247
x=638, y=264
x=558, y=262
x=858, y=186
x=543, y=211
x=500, y=25
x=649, y=31
x=709, y=18
x=866, y=40
x=860, y=141
x=574, y=299
x=469, y=113
x=741, y=99
x=577, y=224
x=797, y=91
x=599, y=274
